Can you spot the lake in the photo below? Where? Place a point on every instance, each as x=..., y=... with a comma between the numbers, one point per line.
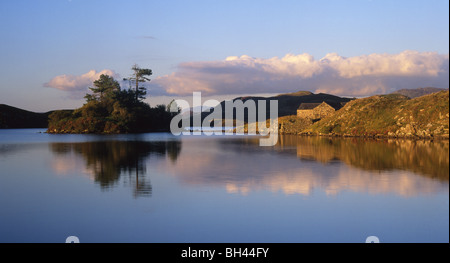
x=159, y=188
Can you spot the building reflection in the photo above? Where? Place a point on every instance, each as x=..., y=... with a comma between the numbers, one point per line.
x=107, y=162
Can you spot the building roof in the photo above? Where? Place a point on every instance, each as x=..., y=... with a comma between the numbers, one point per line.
x=310, y=106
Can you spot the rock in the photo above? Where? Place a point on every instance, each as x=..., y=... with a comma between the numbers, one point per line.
x=421, y=133
x=408, y=129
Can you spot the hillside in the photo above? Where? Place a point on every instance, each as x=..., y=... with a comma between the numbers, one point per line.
x=15, y=118
x=419, y=92
x=390, y=115
x=288, y=103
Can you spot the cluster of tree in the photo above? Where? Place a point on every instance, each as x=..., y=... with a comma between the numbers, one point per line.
x=110, y=109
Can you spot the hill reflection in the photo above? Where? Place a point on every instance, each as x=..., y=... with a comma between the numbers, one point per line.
x=296, y=165
x=427, y=158
x=300, y=165
x=107, y=161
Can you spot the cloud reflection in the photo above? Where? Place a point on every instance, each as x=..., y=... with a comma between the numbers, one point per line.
x=295, y=166
x=302, y=165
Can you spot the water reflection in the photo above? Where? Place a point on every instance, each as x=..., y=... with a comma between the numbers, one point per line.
x=107, y=161
x=300, y=165
x=296, y=165
x=424, y=157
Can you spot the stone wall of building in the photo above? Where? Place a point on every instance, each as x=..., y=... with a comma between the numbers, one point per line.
x=307, y=114
x=323, y=110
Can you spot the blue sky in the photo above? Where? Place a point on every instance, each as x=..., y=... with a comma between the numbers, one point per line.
x=45, y=39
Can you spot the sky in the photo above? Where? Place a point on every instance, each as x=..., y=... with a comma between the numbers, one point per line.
x=52, y=50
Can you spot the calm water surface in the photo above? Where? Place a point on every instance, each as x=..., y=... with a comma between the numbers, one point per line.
x=162, y=188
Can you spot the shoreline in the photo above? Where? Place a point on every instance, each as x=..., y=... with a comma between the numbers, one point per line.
x=304, y=134
x=376, y=136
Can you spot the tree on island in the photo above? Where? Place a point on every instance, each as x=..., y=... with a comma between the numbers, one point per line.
x=140, y=76
x=110, y=109
x=105, y=88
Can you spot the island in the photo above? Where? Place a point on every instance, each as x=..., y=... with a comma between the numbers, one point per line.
x=109, y=109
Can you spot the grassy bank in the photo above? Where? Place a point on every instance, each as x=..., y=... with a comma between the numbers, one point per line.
x=393, y=116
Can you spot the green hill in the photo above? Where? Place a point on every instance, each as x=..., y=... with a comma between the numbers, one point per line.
x=15, y=118
x=390, y=115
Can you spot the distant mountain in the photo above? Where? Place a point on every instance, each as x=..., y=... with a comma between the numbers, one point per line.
x=15, y=118
x=419, y=92
x=198, y=109
x=288, y=103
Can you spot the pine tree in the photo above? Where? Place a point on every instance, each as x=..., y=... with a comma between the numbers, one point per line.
x=105, y=87
x=140, y=75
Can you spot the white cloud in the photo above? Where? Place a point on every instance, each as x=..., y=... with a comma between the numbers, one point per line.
x=354, y=76
x=77, y=85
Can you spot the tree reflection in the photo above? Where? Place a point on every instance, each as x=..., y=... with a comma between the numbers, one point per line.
x=107, y=161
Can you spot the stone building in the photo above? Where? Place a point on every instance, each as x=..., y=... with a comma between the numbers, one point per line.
x=316, y=111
